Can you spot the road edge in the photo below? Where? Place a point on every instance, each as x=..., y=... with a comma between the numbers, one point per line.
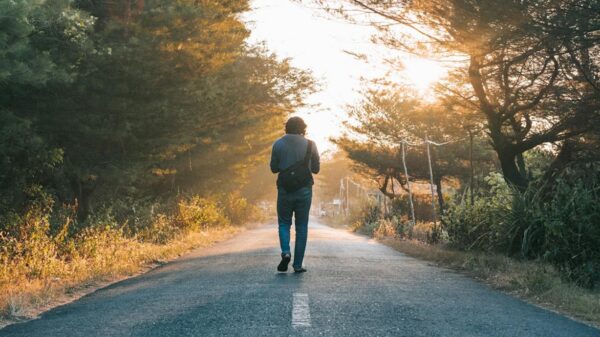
x=74, y=293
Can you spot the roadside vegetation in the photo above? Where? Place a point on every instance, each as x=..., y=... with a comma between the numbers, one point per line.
x=508, y=141
x=51, y=256
x=127, y=131
x=509, y=240
x=536, y=281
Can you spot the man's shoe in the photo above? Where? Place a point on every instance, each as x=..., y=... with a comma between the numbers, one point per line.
x=285, y=260
x=300, y=270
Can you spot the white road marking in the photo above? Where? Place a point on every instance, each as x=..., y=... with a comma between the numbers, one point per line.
x=300, y=311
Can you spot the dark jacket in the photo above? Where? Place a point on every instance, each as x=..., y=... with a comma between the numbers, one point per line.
x=290, y=149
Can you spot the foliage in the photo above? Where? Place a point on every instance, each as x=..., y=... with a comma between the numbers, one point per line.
x=26, y=164
x=366, y=219
x=480, y=225
x=392, y=115
x=561, y=228
x=122, y=105
x=38, y=41
x=38, y=263
x=198, y=213
x=239, y=210
x=568, y=233
x=121, y=125
x=39, y=45
x=530, y=70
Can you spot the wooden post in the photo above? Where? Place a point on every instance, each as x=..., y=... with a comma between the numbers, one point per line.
x=410, y=199
x=347, y=196
x=431, y=183
x=341, y=195
x=385, y=206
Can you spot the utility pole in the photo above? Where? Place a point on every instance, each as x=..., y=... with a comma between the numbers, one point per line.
x=410, y=199
x=431, y=182
x=341, y=196
x=347, y=195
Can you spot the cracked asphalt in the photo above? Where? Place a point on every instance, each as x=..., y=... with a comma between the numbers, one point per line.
x=354, y=287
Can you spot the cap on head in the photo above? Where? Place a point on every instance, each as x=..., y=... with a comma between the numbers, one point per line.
x=295, y=125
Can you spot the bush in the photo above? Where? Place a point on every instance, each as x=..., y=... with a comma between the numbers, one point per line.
x=162, y=230
x=44, y=248
x=571, y=231
x=197, y=213
x=386, y=228
x=558, y=223
x=365, y=218
x=481, y=225
x=43, y=243
x=238, y=210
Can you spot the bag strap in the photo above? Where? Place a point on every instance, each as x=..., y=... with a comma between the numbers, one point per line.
x=308, y=152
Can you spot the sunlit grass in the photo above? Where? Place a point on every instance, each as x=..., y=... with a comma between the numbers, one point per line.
x=40, y=268
x=23, y=294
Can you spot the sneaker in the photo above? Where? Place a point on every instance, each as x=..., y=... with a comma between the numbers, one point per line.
x=285, y=260
x=299, y=270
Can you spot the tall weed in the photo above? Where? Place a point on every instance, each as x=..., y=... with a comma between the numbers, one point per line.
x=557, y=223
x=45, y=246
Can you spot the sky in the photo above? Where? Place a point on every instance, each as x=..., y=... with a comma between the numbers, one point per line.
x=318, y=42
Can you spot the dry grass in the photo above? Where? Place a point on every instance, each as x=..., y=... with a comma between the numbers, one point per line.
x=533, y=281
x=26, y=290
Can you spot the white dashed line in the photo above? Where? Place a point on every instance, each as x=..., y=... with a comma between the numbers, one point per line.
x=300, y=311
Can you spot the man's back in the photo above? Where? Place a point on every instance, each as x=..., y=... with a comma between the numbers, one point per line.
x=290, y=149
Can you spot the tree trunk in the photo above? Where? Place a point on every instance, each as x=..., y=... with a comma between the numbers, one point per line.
x=564, y=157
x=82, y=190
x=501, y=144
x=510, y=170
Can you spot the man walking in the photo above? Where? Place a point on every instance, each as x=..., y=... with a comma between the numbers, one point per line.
x=295, y=158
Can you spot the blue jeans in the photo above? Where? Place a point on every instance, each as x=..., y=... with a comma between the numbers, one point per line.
x=298, y=204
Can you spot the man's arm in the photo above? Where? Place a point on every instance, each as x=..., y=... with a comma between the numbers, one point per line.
x=315, y=161
x=274, y=160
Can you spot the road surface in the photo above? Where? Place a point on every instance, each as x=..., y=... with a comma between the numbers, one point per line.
x=354, y=287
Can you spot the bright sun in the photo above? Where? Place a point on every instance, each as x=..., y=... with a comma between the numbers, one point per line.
x=422, y=73
x=319, y=44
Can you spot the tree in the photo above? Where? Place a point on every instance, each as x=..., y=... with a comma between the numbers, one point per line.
x=528, y=65
x=40, y=46
x=387, y=117
x=165, y=99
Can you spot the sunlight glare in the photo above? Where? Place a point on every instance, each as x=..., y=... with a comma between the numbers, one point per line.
x=422, y=73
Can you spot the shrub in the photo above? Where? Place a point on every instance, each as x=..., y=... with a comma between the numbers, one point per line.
x=197, y=213
x=162, y=230
x=386, y=228
x=481, y=225
x=365, y=219
x=46, y=247
x=425, y=232
x=558, y=223
x=571, y=231
x=34, y=250
x=238, y=210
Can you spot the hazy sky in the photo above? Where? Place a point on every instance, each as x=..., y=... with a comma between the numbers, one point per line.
x=317, y=42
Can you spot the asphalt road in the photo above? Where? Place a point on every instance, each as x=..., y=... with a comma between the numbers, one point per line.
x=353, y=287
